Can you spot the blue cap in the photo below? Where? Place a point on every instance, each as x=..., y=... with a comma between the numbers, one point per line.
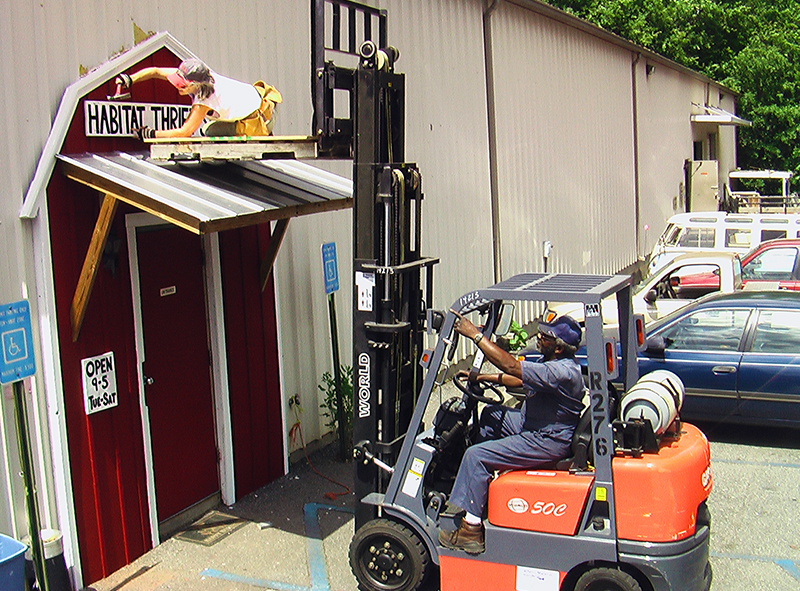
x=564, y=328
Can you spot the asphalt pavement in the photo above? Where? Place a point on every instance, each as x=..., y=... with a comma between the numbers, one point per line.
x=293, y=537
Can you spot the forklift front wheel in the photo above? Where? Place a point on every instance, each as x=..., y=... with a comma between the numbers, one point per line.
x=607, y=579
x=387, y=556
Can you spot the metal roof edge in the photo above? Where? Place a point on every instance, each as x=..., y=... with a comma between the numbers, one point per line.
x=69, y=102
x=550, y=11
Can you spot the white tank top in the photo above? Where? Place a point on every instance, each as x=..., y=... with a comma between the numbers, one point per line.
x=231, y=101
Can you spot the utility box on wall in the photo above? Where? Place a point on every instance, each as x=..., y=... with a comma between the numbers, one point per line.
x=702, y=182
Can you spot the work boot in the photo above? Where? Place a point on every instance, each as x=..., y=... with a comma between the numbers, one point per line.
x=467, y=537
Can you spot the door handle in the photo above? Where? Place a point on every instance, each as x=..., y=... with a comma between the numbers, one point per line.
x=720, y=369
x=148, y=381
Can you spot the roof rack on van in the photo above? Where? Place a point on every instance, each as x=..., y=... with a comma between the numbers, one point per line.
x=754, y=201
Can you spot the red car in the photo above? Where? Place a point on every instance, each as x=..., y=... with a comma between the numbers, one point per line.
x=773, y=264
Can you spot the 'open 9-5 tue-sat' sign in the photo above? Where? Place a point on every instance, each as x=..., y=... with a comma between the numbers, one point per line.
x=99, y=382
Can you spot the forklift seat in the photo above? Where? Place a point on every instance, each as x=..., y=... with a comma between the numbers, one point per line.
x=582, y=451
x=581, y=445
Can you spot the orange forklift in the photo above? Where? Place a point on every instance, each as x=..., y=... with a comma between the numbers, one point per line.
x=627, y=512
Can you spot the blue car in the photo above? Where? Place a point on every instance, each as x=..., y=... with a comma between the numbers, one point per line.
x=738, y=355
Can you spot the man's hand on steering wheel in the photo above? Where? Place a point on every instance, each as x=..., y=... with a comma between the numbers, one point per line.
x=476, y=389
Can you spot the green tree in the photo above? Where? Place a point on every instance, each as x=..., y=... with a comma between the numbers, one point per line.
x=751, y=46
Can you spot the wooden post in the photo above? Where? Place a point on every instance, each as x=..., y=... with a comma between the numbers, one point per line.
x=89, y=271
x=272, y=250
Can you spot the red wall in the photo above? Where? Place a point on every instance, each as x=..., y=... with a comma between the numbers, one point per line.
x=251, y=337
x=106, y=448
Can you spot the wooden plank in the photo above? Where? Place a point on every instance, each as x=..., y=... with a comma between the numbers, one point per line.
x=83, y=290
x=233, y=148
x=232, y=139
x=272, y=250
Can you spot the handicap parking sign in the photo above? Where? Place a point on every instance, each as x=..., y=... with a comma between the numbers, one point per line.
x=16, y=358
x=330, y=268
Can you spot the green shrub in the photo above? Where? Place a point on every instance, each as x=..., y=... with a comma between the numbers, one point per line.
x=330, y=404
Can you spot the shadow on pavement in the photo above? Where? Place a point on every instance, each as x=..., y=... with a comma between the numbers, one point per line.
x=320, y=478
x=783, y=437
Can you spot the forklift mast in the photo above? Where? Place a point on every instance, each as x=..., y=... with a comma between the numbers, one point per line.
x=390, y=294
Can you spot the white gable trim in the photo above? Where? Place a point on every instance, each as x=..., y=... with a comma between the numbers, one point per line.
x=69, y=103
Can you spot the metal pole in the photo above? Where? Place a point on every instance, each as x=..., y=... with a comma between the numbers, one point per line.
x=337, y=377
x=29, y=481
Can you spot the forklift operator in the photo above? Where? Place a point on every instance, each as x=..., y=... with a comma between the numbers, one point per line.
x=536, y=435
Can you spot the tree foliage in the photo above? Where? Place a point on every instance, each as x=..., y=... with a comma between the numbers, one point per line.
x=751, y=46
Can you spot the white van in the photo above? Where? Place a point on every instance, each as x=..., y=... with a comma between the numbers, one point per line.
x=718, y=230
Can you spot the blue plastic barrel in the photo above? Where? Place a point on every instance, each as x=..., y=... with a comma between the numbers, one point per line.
x=12, y=564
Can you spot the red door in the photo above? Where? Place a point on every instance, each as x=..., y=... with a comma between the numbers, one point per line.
x=177, y=368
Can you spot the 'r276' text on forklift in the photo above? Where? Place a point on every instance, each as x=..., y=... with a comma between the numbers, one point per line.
x=627, y=512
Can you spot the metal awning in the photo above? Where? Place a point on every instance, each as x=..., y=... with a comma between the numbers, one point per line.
x=207, y=196
x=202, y=197
x=719, y=116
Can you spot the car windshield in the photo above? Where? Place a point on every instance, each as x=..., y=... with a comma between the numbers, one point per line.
x=774, y=264
x=654, y=326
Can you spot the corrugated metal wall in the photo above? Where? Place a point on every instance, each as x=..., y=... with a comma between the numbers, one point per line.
x=665, y=142
x=564, y=146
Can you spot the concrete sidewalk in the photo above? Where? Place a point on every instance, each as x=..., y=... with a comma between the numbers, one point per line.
x=293, y=538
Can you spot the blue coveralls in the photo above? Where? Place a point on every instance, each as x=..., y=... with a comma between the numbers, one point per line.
x=538, y=433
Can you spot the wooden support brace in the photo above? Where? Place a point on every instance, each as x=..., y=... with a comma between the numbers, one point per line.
x=89, y=271
x=272, y=250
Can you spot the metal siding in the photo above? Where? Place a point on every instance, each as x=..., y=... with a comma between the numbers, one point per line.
x=441, y=45
x=562, y=99
x=665, y=142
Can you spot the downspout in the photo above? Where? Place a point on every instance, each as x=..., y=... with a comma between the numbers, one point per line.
x=488, y=64
x=635, y=112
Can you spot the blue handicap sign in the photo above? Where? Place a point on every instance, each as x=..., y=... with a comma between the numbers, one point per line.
x=330, y=268
x=16, y=358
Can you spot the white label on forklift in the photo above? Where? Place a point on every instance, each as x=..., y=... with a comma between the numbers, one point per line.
x=365, y=283
x=414, y=478
x=536, y=579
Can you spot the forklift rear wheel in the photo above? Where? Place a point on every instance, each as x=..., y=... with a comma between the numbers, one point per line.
x=387, y=556
x=607, y=579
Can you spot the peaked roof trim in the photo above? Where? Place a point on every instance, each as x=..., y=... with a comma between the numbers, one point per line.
x=69, y=103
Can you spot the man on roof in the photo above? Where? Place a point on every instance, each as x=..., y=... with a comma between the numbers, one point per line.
x=231, y=108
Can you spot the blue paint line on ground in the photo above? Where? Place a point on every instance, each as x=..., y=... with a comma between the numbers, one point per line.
x=262, y=583
x=317, y=566
x=789, y=566
x=767, y=464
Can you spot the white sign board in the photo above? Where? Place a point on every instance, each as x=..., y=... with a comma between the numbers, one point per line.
x=120, y=118
x=99, y=382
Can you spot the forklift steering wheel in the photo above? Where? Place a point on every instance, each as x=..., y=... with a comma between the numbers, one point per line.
x=476, y=390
